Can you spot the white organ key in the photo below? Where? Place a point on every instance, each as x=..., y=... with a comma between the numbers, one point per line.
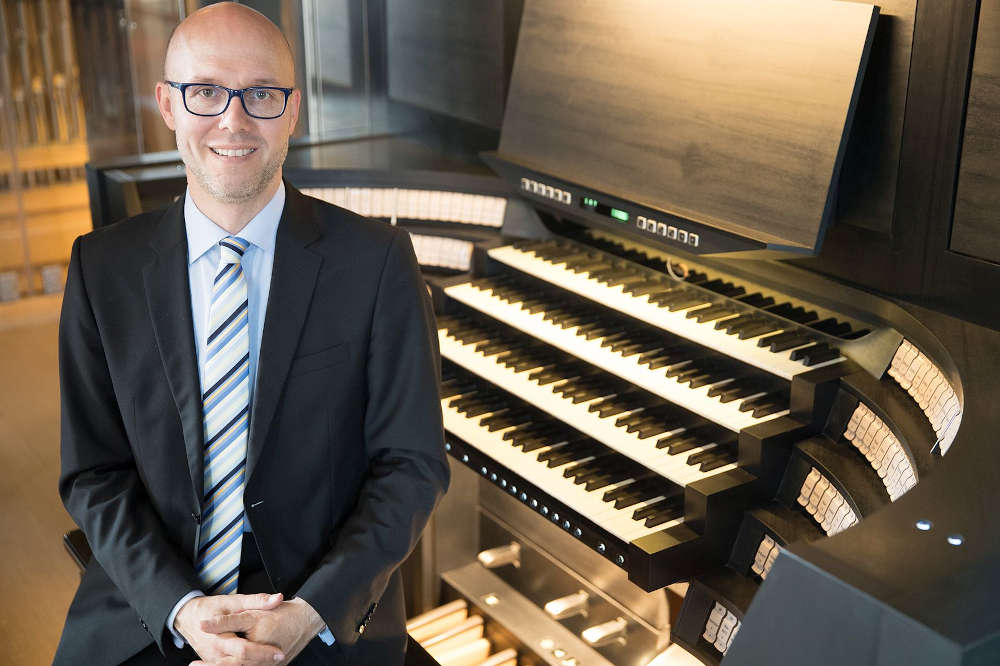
x=643, y=451
x=498, y=212
x=715, y=618
x=434, y=209
x=654, y=381
x=677, y=322
x=590, y=504
x=365, y=201
x=883, y=450
x=825, y=504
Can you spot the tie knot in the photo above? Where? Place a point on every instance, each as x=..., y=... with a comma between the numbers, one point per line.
x=233, y=248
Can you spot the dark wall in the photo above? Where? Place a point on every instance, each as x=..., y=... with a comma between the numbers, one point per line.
x=452, y=57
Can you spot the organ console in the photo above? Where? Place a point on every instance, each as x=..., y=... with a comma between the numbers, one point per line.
x=692, y=418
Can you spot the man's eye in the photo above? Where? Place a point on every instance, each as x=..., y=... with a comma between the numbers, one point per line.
x=261, y=95
x=207, y=93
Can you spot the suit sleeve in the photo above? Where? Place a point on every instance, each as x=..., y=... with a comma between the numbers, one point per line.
x=99, y=482
x=404, y=437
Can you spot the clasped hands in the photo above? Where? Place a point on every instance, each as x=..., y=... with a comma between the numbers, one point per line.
x=247, y=629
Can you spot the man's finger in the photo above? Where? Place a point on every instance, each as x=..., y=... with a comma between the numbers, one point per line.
x=247, y=652
x=233, y=603
x=228, y=622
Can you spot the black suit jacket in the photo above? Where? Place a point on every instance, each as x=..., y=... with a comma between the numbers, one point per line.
x=345, y=455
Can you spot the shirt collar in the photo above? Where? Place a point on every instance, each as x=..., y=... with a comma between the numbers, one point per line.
x=203, y=234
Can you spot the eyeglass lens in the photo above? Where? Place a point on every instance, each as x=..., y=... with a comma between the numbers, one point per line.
x=211, y=100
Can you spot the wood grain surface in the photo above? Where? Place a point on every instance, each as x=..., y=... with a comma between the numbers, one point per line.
x=976, y=226
x=727, y=112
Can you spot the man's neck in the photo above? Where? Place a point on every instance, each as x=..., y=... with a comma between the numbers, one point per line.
x=231, y=216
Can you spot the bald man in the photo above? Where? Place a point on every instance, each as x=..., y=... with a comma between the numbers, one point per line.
x=251, y=434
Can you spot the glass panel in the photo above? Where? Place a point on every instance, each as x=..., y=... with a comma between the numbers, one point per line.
x=43, y=192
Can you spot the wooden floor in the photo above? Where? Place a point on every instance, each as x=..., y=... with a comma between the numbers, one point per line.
x=37, y=577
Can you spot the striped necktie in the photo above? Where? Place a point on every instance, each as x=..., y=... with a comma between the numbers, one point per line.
x=226, y=405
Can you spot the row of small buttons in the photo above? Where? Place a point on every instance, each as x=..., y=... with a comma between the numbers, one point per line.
x=534, y=503
x=651, y=226
x=547, y=191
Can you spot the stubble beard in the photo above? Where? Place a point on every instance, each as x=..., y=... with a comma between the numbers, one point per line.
x=241, y=192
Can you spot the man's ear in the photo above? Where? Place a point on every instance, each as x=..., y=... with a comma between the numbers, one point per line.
x=293, y=110
x=164, y=103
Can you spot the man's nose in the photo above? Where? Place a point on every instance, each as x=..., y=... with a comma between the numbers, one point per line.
x=234, y=118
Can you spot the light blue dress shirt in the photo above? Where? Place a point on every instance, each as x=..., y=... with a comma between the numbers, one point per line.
x=203, y=236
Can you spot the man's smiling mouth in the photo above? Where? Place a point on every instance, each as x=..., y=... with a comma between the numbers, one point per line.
x=238, y=152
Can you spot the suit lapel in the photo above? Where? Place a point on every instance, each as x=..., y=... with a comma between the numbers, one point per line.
x=168, y=296
x=293, y=279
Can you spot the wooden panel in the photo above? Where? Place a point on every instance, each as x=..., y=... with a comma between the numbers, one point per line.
x=976, y=227
x=730, y=113
x=448, y=57
x=868, y=177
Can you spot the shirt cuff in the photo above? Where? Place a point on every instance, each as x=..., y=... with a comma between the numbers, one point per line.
x=327, y=636
x=179, y=641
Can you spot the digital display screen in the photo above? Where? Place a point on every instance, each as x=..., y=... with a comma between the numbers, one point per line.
x=592, y=204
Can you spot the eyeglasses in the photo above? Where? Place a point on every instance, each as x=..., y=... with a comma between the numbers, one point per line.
x=206, y=99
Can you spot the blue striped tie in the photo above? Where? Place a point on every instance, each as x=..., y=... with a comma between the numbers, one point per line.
x=226, y=405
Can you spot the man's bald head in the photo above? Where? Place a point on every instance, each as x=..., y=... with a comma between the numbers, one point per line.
x=228, y=23
x=233, y=159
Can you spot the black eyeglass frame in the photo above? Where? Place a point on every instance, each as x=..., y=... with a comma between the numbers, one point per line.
x=232, y=93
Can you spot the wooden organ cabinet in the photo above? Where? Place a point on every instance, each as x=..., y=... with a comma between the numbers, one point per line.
x=719, y=339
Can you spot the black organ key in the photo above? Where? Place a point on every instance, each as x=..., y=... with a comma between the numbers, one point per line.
x=538, y=429
x=642, y=490
x=623, y=336
x=561, y=455
x=587, y=265
x=757, y=300
x=724, y=288
x=570, y=257
x=797, y=314
x=670, y=293
x=608, y=408
x=484, y=408
x=701, y=456
x=756, y=327
x=634, y=348
x=639, y=289
x=763, y=403
x=667, y=504
x=814, y=354
x=682, y=302
x=724, y=457
x=546, y=376
x=678, y=444
x=455, y=387
x=710, y=313
x=489, y=348
x=733, y=324
x=784, y=341
x=605, y=331
x=831, y=326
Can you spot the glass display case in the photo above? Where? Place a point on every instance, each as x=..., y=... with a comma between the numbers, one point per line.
x=43, y=192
